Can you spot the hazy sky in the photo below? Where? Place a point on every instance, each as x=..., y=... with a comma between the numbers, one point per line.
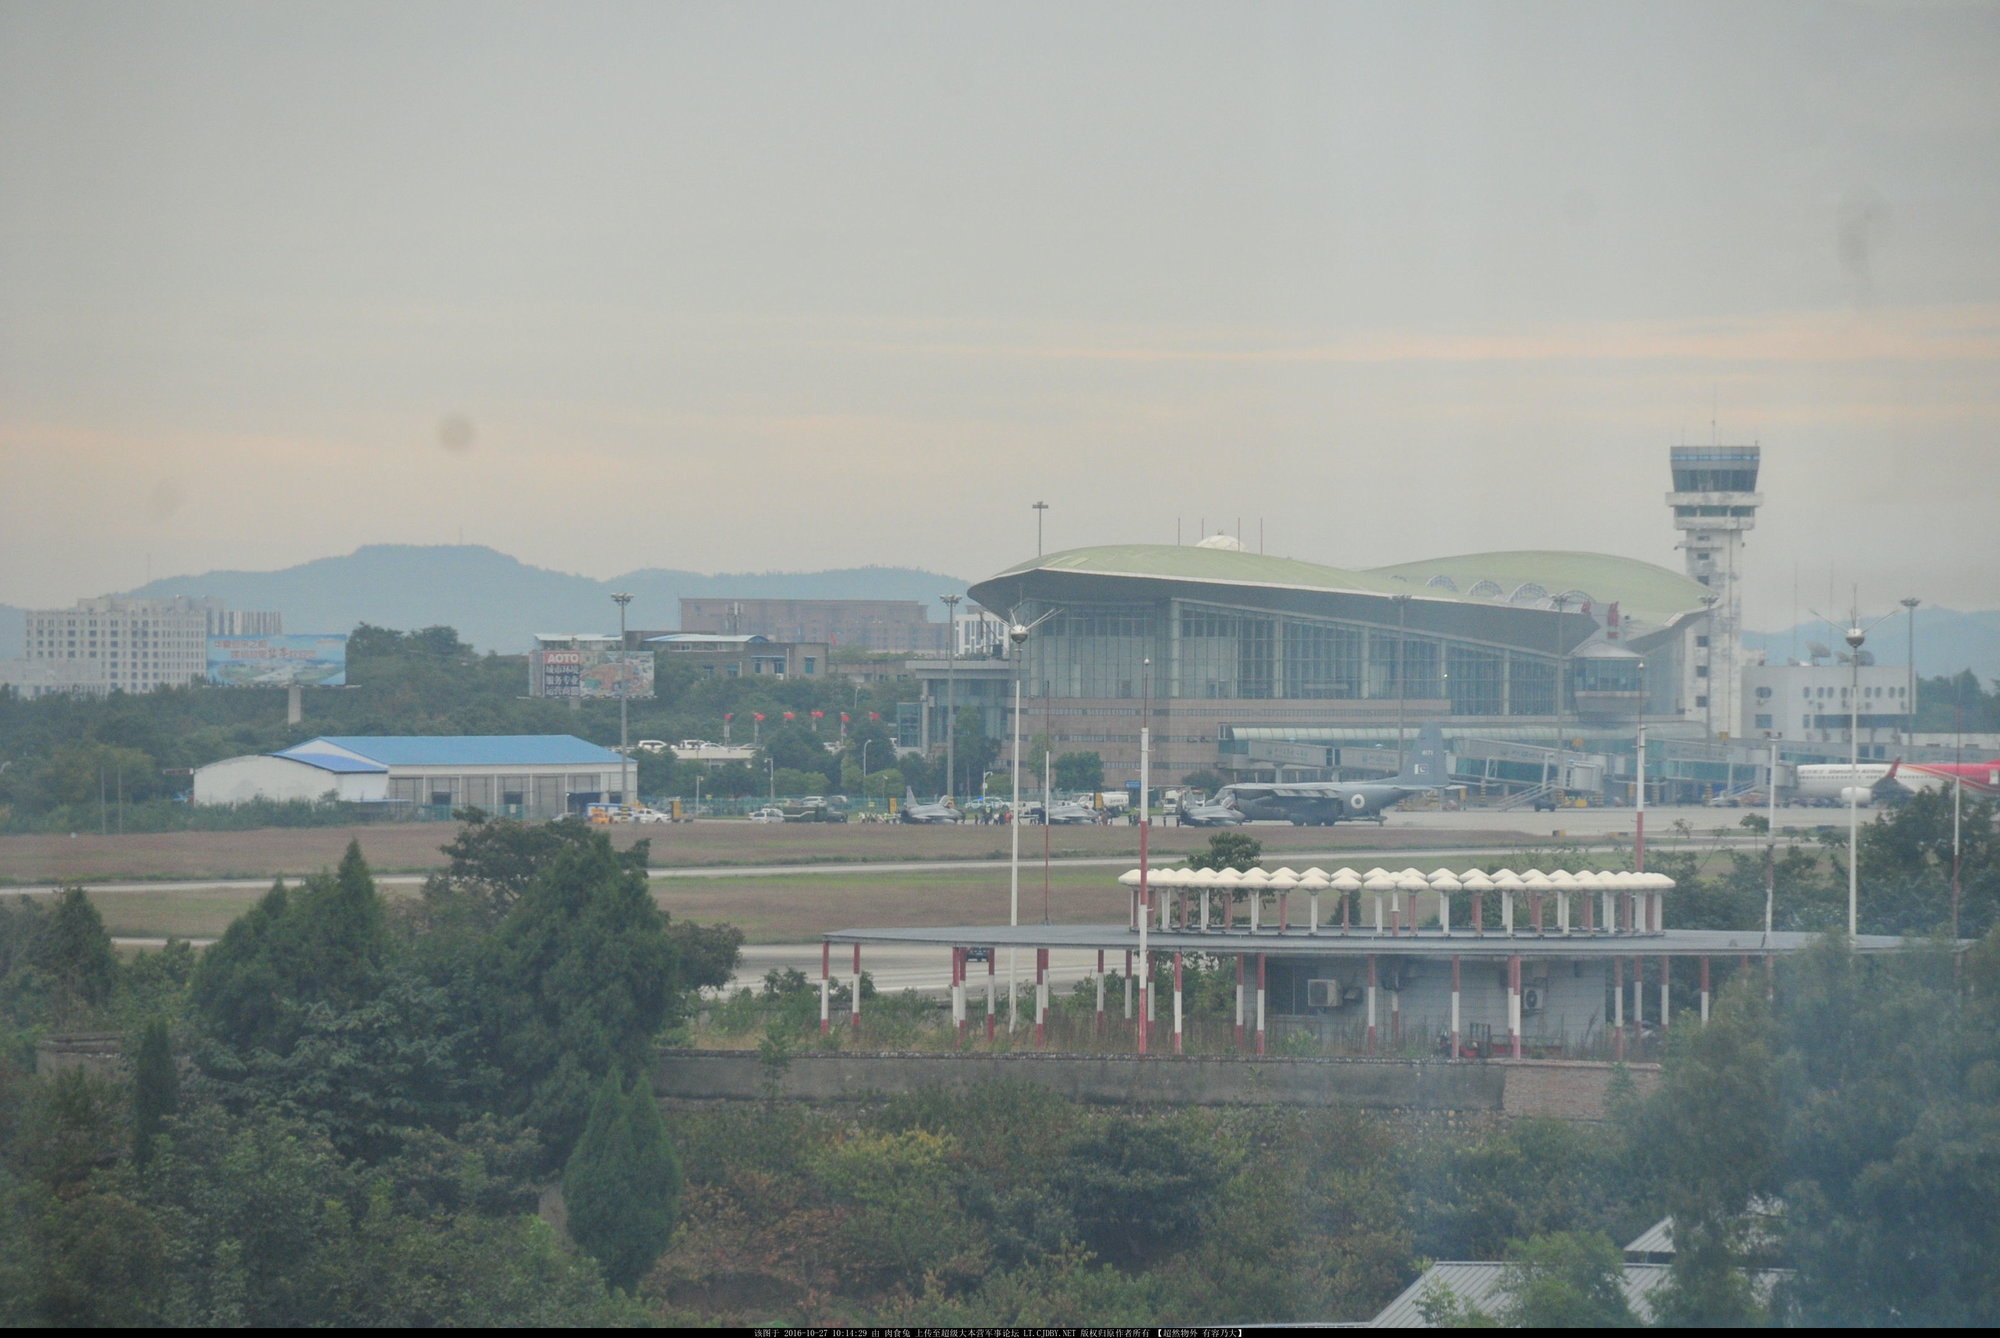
x=757, y=286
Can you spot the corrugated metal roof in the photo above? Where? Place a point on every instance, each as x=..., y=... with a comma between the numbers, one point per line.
x=479, y=750
x=1648, y=593
x=1477, y=1283
x=1656, y=1239
x=339, y=762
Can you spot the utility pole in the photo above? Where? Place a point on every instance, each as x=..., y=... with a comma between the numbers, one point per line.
x=624, y=757
x=950, y=693
x=1040, y=507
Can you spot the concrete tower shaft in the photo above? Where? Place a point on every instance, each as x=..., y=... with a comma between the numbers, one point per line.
x=1715, y=501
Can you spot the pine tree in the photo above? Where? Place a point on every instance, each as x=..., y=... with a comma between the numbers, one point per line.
x=622, y=1185
x=156, y=1089
x=74, y=949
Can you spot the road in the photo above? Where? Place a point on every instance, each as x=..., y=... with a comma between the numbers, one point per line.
x=1522, y=830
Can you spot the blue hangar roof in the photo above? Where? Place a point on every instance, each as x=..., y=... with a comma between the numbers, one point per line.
x=339, y=762
x=450, y=750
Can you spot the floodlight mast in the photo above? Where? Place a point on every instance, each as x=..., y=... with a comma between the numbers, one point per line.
x=1017, y=634
x=950, y=603
x=1856, y=635
x=624, y=755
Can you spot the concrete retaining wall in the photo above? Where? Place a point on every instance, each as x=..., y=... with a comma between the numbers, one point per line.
x=1569, y=1090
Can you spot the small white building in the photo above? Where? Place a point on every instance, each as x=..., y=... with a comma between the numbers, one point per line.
x=298, y=774
x=518, y=775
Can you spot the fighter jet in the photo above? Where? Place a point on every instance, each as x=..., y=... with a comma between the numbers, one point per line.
x=1218, y=814
x=1323, y=803
x=941, y=811
x=1069, y=815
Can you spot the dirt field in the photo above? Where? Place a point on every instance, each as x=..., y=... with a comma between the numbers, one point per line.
x=781, y=908
x=413, y=847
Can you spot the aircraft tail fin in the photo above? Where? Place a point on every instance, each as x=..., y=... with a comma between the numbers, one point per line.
x=909, y=796
x=1429, y=766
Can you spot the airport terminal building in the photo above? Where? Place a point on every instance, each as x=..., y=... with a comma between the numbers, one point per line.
x=1273, y=668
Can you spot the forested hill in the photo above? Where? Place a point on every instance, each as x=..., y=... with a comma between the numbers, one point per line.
x=1947, y=641
x=498, y=603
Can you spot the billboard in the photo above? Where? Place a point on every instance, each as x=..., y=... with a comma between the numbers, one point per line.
x=299, y=660
x=592, y=673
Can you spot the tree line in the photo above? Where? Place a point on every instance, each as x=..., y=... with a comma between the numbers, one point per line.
x=346, y=1109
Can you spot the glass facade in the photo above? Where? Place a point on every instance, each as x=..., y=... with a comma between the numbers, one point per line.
x=1715, y=468
x=1201, y=650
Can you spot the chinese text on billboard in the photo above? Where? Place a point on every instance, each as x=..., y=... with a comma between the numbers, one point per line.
x=302, y=659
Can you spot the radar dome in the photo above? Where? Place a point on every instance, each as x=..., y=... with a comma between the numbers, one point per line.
x=1224, y=542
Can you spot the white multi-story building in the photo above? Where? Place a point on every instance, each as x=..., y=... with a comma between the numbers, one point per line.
x=1814, y=703
x=117, y=644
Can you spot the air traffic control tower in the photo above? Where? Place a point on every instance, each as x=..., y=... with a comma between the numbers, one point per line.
x=1715, y=501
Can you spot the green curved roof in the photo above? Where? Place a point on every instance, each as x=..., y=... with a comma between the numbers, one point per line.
x=1643, y=591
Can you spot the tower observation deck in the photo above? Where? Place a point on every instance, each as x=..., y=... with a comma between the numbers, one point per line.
x=1715, y=501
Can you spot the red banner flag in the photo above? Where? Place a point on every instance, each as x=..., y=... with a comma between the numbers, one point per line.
x=729, y=715
x=819, y=715
x=757, y=715
x=790, y=716
x=845, y=717
x=874, y=715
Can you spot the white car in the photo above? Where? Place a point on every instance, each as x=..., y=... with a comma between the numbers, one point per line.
x=768, y=815
x=650, y=815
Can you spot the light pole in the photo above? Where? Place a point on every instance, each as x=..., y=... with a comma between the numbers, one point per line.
x=1556, y=680
x=1855, y=636
x=1707, y=683
x=1039, y=508
x=625, y=758
x=771, y=778
x=864, y=770
x=1402, y=677
x=950, y=686
x=1018, y=635
x=1910, y=602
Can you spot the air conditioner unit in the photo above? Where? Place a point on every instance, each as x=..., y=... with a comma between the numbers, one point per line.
x=1531, y=998
x=1323, y=994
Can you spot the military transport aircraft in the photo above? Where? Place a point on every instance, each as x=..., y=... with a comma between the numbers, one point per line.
x=1323, y=803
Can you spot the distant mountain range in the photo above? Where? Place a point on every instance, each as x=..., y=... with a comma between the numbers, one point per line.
x=1947, y=641
x=497, y=602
